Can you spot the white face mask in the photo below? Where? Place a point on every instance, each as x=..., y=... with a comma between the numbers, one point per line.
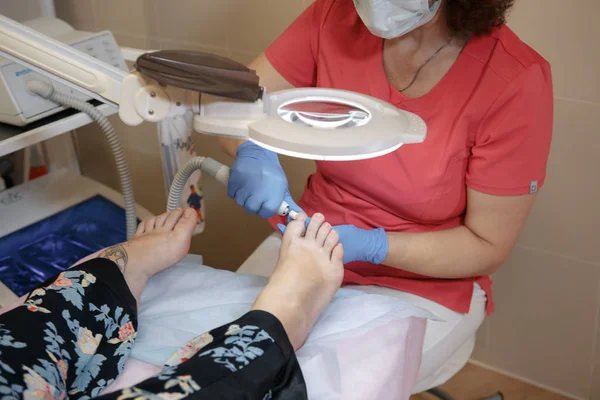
x=392, y=18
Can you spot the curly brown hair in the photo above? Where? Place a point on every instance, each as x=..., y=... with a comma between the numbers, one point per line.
x=476, y=17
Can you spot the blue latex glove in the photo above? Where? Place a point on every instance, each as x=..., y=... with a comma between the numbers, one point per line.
x=368, y=245
x=257, y=181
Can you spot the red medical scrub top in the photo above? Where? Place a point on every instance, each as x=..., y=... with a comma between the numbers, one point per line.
x=489, y=128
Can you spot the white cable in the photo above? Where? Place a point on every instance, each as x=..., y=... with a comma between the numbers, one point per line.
x=48, y=92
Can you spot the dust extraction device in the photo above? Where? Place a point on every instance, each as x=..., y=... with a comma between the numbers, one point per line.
x=312, y=123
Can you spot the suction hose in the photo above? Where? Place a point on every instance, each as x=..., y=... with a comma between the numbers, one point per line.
x=213, y=168
x=47, y=91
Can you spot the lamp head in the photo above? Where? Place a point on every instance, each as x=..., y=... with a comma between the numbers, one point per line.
x=201, y=72
x=313, y=123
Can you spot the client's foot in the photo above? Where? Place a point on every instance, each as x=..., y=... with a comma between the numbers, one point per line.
x=307, y=275
x=158, y=243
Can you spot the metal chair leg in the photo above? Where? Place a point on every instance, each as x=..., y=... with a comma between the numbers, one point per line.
x=440, y=394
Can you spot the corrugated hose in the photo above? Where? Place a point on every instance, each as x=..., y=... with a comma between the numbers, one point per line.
x=48, y=92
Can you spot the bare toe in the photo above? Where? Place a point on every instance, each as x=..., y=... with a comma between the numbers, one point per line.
x=141, y=228
x=186, y=224
x=331, y=241
x=323, y=233
x=150, y=224
x=338, y=253
x=172, y=219
x=160, y=221
x=314, y=225
x=295, y=228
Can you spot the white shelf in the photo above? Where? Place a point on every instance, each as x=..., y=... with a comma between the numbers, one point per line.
x=14, y=138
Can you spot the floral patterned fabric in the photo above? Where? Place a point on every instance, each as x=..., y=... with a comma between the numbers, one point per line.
x=72, y=336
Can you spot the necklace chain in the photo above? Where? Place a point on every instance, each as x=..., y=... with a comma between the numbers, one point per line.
x=427, y=62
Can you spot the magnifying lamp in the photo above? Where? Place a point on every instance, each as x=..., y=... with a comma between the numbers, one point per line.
x=311, y=123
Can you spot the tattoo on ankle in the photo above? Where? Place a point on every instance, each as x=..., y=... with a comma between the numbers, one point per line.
x=116, y=254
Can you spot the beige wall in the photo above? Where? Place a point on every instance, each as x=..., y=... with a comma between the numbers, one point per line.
x=22, y=10
x=547, y=295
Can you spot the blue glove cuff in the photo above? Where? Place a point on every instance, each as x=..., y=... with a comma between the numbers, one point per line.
x=377, y=246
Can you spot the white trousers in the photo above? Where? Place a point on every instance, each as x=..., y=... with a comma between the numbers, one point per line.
x=448, y=343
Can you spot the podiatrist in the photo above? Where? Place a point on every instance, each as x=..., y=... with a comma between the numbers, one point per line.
x=433, y=220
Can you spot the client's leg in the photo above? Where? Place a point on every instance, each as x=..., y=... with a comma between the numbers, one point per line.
x=252, y=358
x=73, y=333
